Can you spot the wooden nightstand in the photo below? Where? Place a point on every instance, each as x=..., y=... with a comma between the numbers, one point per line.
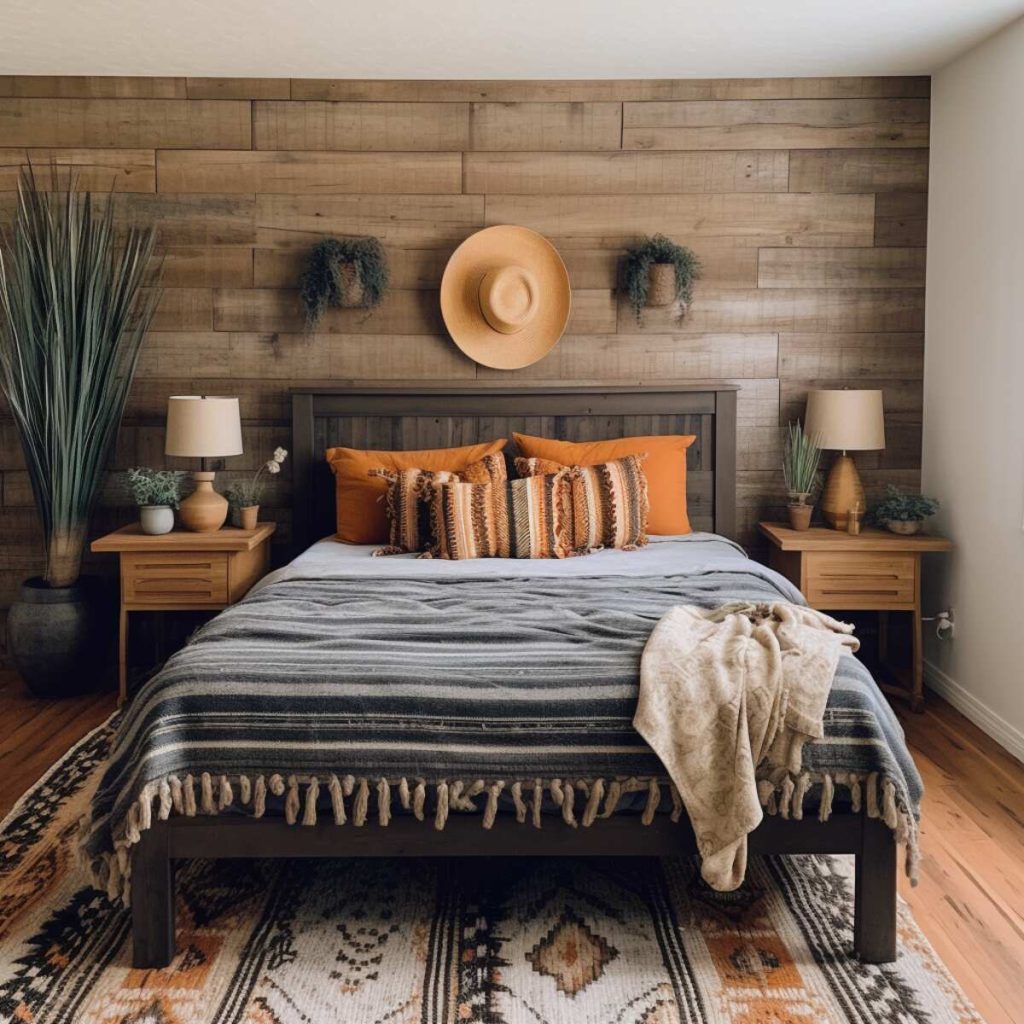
x=872, y=571
x=183, y=571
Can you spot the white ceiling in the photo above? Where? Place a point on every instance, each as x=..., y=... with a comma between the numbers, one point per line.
x=493, y=38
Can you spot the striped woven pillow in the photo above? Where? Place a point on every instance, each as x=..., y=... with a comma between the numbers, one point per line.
x=407, y=500
x=609, y=501
x=516, y=519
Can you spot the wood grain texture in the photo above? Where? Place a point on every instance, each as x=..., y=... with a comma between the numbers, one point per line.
x=804, y=198
x=901, y=218
x=360, y=126
x=308, y=173
x=99, y=170
x=408, y=221
x=578, y=91
x=544, y=126
x=770, y=124
x=615, y=221
x=864, y=170
x=126, y=124
x=238, y=88
x=840, y=268
x=627, y=173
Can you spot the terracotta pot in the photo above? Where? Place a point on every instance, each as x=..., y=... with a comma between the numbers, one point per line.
x=156, y=519
x=661, y=284
x=800, y=516
x=906, y=528
x=352, y=290
x=249, y=516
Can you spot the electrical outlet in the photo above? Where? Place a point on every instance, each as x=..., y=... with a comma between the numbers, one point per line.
x=945, y=625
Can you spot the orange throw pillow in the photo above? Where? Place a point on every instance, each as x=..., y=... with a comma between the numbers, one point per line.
x=360, y=505
x=665, y=469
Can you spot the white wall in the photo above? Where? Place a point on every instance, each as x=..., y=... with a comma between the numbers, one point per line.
x=974, y=381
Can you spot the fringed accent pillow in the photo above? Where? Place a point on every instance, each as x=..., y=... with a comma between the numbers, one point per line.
x=408, y=494
x=517, y=519
x=609, y=503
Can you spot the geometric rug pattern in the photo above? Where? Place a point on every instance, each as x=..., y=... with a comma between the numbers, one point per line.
x=527, y=941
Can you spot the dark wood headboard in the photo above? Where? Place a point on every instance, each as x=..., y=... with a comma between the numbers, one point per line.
x=441, y=417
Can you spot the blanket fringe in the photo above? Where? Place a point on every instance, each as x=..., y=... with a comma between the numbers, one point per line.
x=581, y=802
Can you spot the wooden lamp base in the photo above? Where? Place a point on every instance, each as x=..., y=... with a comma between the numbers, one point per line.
x=204, y=510
x=843, y=490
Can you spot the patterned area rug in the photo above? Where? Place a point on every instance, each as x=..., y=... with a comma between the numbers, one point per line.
x=434, y=941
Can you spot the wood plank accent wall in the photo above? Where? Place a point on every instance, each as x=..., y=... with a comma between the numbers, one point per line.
x=806, y=199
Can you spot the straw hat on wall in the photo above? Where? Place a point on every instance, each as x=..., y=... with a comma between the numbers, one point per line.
x=505, y=297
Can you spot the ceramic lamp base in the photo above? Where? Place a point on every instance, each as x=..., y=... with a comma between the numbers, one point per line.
x=843, y=490
x=204, y=510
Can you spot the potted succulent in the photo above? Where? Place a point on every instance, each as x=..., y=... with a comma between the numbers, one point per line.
x=76, y=300
x=345, y=273
x=800, y=458
x=659, y=272
x=244, y=497
x=157, y=492
x=902, y=512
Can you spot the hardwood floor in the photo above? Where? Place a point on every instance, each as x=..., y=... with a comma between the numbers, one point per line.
x=970, y=900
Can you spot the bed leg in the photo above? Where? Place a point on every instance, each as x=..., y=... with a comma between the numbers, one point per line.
x=874, y=901
x=152, y=900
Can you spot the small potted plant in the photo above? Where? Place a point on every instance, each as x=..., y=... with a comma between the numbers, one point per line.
x=901, y=512
x=157, y=492
x=345, y=273
x=800, y=457
x=659, y=272
x=245, y=496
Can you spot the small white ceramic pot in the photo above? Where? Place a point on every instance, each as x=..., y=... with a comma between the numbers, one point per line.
x=156, y=519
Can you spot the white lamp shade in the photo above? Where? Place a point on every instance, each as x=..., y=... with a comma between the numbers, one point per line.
x=199, y=427
x=846, y=420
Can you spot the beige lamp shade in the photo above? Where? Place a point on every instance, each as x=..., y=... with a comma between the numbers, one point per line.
x=849, y=421
x=202, y=427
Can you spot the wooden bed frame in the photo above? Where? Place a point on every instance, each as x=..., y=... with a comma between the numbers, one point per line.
x=441, y=416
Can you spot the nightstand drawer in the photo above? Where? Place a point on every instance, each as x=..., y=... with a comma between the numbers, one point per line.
x=848, y=579
x=172, y=577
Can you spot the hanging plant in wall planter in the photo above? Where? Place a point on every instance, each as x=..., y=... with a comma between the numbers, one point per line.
x=347, y=273
x=659, y=273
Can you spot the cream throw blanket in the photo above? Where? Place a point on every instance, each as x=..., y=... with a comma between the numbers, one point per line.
x=727, y=691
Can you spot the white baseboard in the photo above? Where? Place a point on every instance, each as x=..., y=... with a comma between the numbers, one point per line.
x=1006, y=735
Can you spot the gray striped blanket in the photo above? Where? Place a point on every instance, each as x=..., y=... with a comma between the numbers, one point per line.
x=362, y=697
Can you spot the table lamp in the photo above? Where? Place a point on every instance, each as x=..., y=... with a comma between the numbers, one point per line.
x=201, y=427
x=847, y=421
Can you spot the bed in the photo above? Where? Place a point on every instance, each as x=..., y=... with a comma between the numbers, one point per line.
x=362, y=706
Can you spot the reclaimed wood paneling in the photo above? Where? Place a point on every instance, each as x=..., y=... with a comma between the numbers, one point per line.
x=543, y=126
x=401, y=312
x=239, y=88
x=901, y=218
x=774, y=124
x=578, y=91
x=840, y=268
x=92, y=87
x=308, y=173
x=408, y=221
x=654, y=357
x=99, y=170
x=627, y=173
x=126, y=124
x=196, y=266
x=805, y=199
x=862, y=170
x=851, y=357
x=795, y=310
x=615, y=221
x=360, y=126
